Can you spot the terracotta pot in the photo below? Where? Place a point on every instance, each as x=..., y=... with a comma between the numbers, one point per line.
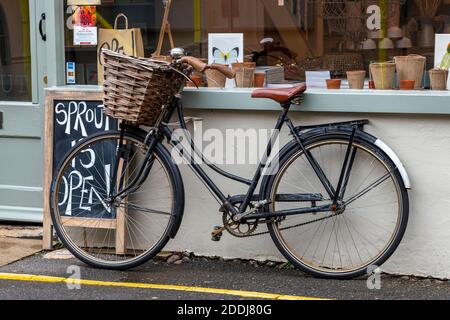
x=334, y=83
x=260, y=79
x=198, y=80
x=237, y=65
x=407, y=84
x=245, y=74
x=245, y=77
x=383, y=75
x=371, y=84
x=356, y=79
x=215, y=79
x=438, y=79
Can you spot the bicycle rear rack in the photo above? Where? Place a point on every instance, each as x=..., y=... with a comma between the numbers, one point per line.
x=355, y=123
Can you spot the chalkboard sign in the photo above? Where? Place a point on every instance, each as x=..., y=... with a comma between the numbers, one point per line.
x=73, y=114
x=74, y=121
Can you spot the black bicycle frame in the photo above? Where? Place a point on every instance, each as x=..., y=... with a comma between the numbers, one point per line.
x=157, y=134
x=245, y=201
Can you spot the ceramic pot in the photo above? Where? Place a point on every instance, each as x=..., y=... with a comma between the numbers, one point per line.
x=215, y=79
x=426, y=33
x=383, y=75
x=260, y=79
x=334, y=83
x=411, y=68
x=407, y=84
x=356, y=79
x=438, y=79
x=197, y=81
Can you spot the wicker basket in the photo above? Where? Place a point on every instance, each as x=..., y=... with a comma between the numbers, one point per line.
x=137, y=90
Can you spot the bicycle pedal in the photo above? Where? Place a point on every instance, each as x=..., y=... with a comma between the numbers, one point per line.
x=217, y=234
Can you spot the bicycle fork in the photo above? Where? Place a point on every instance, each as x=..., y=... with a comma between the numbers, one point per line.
x=121, y=164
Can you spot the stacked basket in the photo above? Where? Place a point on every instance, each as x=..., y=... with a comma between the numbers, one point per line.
x=137, y=90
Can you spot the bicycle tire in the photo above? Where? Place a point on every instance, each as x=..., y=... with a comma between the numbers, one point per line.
x=176, y=182
x=400, y=228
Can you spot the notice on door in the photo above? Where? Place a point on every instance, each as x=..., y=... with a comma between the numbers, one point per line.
x=84, y=36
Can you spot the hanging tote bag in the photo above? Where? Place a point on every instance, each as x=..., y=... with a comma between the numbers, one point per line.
x=124, y=41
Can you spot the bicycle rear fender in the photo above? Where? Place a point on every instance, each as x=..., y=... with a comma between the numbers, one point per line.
x=383, y=146
x=393, y=156
x=344, y=130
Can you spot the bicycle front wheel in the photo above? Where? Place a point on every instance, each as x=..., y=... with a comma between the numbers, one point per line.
x=364, y=233
x=129, y=230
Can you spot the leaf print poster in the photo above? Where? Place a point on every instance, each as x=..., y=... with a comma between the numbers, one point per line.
x=442, y=53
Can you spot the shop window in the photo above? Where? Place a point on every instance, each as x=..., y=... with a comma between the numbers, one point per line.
x=297, y=35
x=15, y=58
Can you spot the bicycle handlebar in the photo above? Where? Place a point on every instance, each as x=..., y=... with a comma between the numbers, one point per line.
x=200, y=66
x=226, y=71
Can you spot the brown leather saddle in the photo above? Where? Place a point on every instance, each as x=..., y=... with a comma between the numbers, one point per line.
x=282, y=96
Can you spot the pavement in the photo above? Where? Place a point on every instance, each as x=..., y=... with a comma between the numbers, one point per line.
x=50, y=276
x=18, y=242
x=216, y=279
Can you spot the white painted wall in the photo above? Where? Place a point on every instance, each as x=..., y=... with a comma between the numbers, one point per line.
x=423, y=144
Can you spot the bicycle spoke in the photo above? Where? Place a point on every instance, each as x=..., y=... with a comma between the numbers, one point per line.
x=360, y=232
x=369, y=188
x=96, y=230
x=130, y=206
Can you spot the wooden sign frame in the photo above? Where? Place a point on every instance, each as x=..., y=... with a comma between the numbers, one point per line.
x=119, y=224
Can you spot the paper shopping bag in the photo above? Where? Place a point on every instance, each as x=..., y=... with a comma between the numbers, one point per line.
x=126, y=41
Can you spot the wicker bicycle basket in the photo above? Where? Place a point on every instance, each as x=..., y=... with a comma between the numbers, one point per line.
x=137, y=90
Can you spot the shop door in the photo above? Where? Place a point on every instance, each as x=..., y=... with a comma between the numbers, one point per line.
x=22, y=79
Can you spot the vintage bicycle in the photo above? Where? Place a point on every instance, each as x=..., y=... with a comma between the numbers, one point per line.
x=335, y=203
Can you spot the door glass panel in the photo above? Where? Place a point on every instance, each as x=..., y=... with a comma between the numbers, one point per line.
x=15, y=56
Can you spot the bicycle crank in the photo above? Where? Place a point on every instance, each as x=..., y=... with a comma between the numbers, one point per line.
x=239, y=228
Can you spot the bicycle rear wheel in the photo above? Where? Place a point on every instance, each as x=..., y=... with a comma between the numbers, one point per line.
x=343, y=244
x=121, y=233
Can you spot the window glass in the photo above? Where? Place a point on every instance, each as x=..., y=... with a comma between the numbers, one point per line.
x=296, y=35
x=15, y=57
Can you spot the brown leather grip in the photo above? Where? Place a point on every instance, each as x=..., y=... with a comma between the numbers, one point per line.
x=197, y=64
x=225, y=70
